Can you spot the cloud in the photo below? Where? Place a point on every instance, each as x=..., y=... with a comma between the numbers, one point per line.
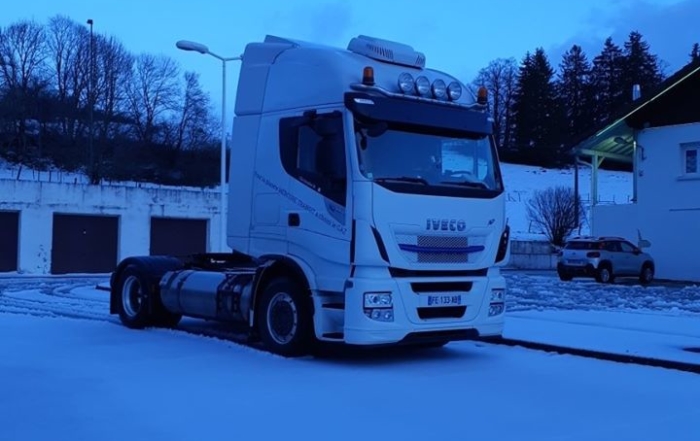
x=323, y=22
x=330, y=22
x=670, y=30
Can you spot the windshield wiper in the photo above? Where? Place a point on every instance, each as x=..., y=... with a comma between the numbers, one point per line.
x=470, y=184
x=403, y=179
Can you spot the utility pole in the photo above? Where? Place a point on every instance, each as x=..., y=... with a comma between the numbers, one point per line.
x=91, y=105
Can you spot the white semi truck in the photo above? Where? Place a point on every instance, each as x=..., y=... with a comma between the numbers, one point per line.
x=366, y=207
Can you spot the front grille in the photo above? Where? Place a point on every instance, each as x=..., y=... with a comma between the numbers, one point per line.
x=416, y=274
x=440, y=249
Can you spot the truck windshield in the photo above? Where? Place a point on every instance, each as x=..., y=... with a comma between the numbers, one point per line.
x=407, y=158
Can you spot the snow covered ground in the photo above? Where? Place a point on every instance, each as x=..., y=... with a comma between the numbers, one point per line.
x=69, y=371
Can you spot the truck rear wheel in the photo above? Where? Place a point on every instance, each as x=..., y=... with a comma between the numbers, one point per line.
x=139, y=305
x=133, y=308
x=284, y=318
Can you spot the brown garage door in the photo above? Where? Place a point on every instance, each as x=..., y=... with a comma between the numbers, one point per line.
x=177, y=236
x=9, y=240
x=84, y=243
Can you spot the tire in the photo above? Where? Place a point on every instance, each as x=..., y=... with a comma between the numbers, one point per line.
x=604, y=274
x=284, y=318
x=139, y=306
x=134, y=298
x=565, y=277
x=647, y=274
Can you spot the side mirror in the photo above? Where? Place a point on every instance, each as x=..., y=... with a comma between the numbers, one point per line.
x=643, y=243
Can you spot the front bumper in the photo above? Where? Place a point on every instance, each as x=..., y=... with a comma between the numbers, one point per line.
x=415, y=320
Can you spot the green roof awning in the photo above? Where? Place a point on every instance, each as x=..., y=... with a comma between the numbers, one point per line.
x=614, y=142
x=672, y=102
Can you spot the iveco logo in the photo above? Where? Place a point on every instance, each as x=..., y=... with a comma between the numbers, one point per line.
x=445, y=224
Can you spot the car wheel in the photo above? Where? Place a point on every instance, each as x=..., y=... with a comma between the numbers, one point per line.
x=565, y=277
x=647, y=274
x=604, y=274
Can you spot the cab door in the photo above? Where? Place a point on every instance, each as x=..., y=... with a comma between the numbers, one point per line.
x=318, y=209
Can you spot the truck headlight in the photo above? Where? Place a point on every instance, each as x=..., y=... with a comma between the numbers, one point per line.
x=423, y=85
x=439, y=89
x=379, y=306
x=454, y=90
x=406, y=83
x=497, y=304
x=378, y=300
x=496, y=309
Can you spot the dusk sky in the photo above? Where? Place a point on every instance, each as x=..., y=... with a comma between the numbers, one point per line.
x=459, y=37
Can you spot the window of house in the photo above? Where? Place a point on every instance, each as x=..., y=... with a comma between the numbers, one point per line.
x=312, y=150
x=691, y=162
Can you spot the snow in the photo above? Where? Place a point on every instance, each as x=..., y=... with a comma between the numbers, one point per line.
x=70, y=371
x=650, y=335
x=521, y=181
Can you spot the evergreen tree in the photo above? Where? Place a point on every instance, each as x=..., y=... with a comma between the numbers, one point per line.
x=575, y=92
x=607, y=79
x=695, y=52
x=640, y=66
x=537, y=111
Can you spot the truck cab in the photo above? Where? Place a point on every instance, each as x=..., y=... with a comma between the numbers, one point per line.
x=366, y=195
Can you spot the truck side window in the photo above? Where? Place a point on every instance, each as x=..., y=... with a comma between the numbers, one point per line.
x=313, y=152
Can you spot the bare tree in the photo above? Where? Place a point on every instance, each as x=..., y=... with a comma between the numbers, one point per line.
x=113, y=72
x=68, y=49
x=499, y=77
x=553, y=211
x=115, y=68
x=23, y=73
x=152, y=93
x=193, y=126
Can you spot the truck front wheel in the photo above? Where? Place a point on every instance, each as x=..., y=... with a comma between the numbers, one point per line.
x=284, y=318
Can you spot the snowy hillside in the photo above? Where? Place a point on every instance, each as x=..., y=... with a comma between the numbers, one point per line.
x=521, y=182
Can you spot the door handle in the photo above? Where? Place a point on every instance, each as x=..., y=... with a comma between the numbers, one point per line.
x=293, y=219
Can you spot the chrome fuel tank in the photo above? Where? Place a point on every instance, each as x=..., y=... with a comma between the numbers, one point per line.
x=208, y=294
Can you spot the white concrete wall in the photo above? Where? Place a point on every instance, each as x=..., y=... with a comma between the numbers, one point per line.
x=617, y=220
x=532, y=255
x=674, y=236
x=37, y=201
x=660, y=181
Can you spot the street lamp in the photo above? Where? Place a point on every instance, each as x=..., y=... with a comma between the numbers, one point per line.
x=203, y=49
x=91, y=103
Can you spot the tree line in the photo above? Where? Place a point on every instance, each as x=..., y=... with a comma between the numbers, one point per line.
x=539, y=111
x=78, y=100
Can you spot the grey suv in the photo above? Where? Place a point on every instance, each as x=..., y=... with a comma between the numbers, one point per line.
x=604, y=258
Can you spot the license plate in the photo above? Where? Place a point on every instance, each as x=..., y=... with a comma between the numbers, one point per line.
x=445, y=300
x=575, y=262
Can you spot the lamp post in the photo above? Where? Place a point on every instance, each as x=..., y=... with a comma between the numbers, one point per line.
x=91, y=103
x=203, y=49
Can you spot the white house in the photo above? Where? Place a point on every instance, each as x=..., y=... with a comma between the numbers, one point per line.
x=659, y=134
